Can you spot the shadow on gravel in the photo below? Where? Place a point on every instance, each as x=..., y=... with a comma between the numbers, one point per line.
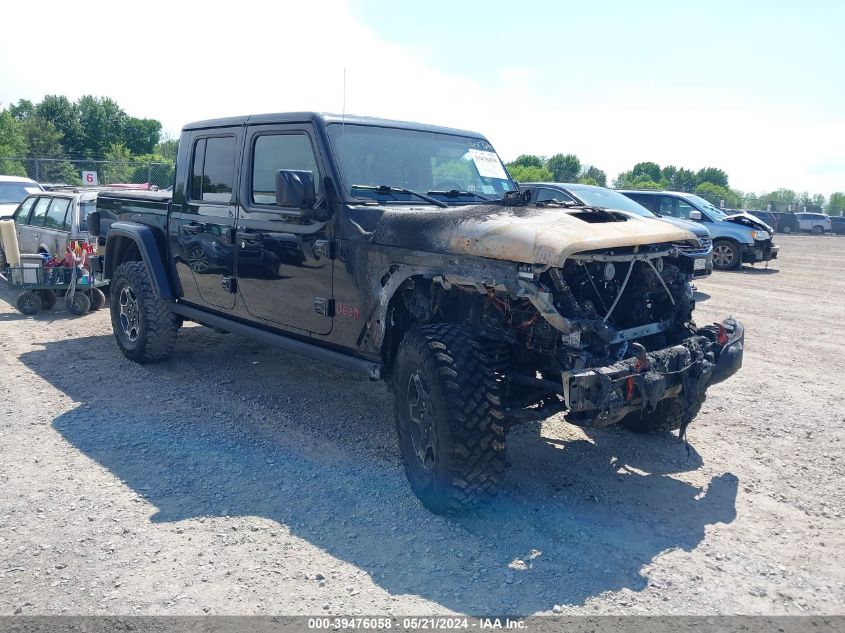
x=575, y=519
x=750, y=270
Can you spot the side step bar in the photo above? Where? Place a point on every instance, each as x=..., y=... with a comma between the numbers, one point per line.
x=359, y=365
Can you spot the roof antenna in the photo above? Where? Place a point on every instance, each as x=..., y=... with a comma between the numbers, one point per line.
x=343, y=115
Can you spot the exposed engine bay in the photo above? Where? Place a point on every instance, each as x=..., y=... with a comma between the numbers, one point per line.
x=607, y=334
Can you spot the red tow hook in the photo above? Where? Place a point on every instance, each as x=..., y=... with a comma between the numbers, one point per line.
x=641, y=365
x=722, y=336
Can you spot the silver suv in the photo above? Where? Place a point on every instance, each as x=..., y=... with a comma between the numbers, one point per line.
x=46, y=222
x=815, y=223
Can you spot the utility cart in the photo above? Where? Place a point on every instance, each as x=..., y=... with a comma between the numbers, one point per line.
x=40, y=286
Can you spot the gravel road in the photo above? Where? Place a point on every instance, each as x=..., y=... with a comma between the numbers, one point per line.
x=237, y=479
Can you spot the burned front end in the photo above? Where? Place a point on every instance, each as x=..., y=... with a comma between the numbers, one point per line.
x=608, y=334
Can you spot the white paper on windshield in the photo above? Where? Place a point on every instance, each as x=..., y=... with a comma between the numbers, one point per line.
x=488, y=164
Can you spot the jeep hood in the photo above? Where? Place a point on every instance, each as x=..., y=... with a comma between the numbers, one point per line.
x=529, y=234
x=746, y=219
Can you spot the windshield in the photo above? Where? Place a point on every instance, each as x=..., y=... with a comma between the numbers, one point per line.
x=16, y=191
x=706, y=206
x=425, y=162
x=609, y=199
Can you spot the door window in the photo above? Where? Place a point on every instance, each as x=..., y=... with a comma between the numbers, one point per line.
x=56, y=214
x=544, y=195
x=214, y=169
x=40, y=212
x=273, y=152
x=684, y=209
x=22, y=215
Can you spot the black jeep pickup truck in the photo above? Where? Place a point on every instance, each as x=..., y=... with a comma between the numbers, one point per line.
x=406, y=252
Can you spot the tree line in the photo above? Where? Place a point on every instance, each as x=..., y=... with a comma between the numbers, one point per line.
x=90, y=128
x=711, y=183
x=97, y=128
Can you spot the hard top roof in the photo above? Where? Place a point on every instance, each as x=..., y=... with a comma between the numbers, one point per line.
x=325, y=118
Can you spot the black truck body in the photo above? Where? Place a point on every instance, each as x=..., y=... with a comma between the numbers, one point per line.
x=405, y=252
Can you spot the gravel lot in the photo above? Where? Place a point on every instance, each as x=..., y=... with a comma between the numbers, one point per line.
x=238, y=479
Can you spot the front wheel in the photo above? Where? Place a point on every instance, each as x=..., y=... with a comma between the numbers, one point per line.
x=144, y=327
x=29, y=303
x=726, y=255
x=449, y=418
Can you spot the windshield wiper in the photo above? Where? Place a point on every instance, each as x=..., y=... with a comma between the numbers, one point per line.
x=455, y=193
x=389, y=189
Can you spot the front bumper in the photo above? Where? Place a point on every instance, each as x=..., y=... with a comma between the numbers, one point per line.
x=599, y=396
x=759, y=252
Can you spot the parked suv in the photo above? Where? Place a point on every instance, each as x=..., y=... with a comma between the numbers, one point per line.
x=13, y=189
x=815, y=223
x=604, y=198
x=48, y=221
x=737, y=238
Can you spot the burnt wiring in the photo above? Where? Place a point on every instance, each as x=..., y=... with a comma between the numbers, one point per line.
x=662, y=282
x=622, y=289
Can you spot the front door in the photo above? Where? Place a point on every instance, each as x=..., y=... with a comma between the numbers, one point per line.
x=284, y=260
x=206, y=252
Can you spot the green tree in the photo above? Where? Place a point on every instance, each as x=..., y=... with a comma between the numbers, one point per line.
x=712, y=175
x=648, y=169
x=564, y=168
x=141, y=135
x=120, y=168
x=168, y=148
x=717, y=194
x=528, y=160
x=65, y=116
x=593, y=176
x=836, y=204
x=22, y=109
x=43, y=141
x=529, y=173
x=12, y=145
x=103, y=125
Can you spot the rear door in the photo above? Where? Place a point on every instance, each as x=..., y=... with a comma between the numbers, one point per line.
x=206, y=258
x=29, y=234
x=56, y=225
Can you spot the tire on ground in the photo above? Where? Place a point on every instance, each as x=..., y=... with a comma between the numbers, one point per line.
x=733, y=248
x=77, y=303
x=151, y=332
x=97, y=297
x=670, y=415
x=28, y=303
x=48, y=299
x=462, y=464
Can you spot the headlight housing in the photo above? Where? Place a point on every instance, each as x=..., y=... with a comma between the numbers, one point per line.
x=760, y=235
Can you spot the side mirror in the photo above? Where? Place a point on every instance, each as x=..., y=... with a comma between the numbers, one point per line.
x=695, y=215
x=295, y=189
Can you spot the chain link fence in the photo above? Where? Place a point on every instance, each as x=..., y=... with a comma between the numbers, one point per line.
x=89, y=172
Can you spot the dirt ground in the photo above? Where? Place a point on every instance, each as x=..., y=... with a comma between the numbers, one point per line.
x=237, y=479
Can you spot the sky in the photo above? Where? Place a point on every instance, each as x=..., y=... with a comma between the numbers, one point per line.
x=755, y=88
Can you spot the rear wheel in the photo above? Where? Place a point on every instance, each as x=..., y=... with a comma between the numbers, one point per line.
x=449, y=418
x=77, y=303
x=28, y=303
x=144, y=327
x=670, y=415
x=818, y=230
x=786, y=229
x=48, y=299
x=726, y=255
x=97, y=297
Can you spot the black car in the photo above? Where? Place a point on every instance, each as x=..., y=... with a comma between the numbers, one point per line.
x=785, y=222
x=837, y=224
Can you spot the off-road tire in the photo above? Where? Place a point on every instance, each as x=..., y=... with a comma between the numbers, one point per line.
x=48, y=299
x=736, y=259
x=28, y=303
x=153, y=334
x=466, y=414
x=97, y=297
x=670, y=415
x=77, y=303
